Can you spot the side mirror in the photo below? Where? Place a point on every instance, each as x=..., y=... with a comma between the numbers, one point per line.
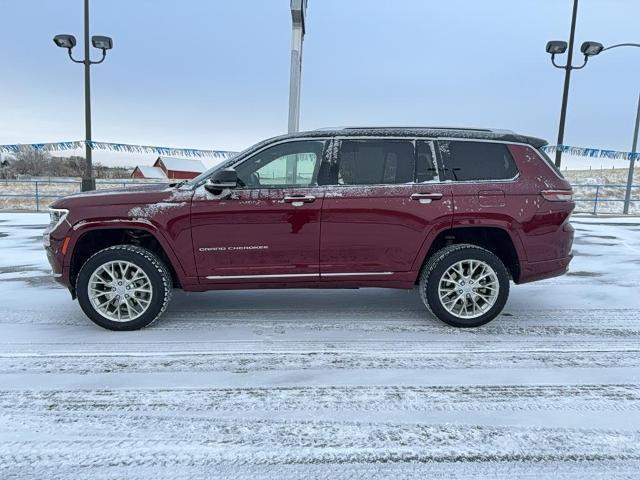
x=225, y=178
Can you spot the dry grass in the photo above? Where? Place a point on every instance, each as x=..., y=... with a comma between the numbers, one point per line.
x=21, y=195
x=610, y=193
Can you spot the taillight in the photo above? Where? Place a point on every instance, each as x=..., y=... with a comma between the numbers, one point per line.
x=557, y=195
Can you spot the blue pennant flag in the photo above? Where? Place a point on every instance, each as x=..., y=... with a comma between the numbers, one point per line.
x=116, y=147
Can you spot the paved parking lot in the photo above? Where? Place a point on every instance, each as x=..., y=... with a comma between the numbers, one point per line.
x=339, y=384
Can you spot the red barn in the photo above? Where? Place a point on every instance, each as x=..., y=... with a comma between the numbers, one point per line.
x=180, y=168
x=143, y=171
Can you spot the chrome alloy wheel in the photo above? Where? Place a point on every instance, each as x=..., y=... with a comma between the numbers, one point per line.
x=468, y=288
x=120, y=291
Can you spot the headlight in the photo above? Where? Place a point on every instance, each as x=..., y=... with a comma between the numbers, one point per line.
x=57, y=216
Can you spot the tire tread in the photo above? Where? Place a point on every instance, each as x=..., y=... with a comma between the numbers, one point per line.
x=158, y=264
x=438, y=257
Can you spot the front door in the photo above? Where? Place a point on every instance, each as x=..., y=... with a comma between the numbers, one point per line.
x=387, y=199
x=268, y=229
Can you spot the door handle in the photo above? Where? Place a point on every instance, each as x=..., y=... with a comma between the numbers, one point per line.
x=425, y=197
x=299, y=200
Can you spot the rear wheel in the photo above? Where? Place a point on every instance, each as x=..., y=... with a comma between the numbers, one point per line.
x=123, y=287
x=464, y=285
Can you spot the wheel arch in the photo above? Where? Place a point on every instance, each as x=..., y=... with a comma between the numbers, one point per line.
x=495, y=239
x=92, y=239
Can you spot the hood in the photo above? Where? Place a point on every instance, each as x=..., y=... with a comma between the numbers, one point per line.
x=139, y=194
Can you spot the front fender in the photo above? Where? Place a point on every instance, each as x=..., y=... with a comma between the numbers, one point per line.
x=82, y=227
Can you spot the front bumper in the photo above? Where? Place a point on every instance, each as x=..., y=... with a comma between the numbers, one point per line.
x=55, y=240
x=55, y=257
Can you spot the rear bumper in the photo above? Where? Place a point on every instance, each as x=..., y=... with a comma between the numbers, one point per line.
x=532, y=271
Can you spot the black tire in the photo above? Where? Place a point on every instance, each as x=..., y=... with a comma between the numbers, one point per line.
x=440, y=262
x=153, y=267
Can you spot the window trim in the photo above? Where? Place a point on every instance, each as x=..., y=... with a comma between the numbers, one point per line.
x=316, y=168
x=329, y=138
x=413, y=139
x=486, y=180
x=410, y=140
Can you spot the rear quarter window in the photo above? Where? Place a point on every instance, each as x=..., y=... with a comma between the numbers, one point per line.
x=476, y=161
x=550, y=162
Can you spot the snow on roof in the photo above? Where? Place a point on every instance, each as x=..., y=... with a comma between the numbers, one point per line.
x=151, y=172
x=181, y=164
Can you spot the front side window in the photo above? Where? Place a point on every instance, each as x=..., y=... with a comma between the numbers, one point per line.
x=472, y=161
x=376, y=162
x=292, y=164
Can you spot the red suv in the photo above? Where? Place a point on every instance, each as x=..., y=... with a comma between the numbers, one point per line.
x=456, y=212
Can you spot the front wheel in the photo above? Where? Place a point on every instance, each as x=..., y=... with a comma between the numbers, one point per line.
x=464, y=285
x=124, y=287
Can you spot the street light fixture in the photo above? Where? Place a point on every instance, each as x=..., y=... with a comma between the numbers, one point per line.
x=591, y=49
x=556, y=47
x=102, y=43
x=65, y=41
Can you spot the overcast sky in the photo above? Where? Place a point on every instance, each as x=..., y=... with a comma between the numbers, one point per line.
x=215, y=74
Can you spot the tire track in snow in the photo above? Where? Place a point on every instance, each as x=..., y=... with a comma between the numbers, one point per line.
x=503, y=470
x=319, y=359
x=605, y=397
x=179, y=441
x=380, y=318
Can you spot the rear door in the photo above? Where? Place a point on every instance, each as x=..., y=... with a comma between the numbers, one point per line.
x=483, y=178
x=386, y=198
x=268, y=229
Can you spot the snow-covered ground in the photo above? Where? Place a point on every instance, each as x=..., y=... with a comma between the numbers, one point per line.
x=325, y=384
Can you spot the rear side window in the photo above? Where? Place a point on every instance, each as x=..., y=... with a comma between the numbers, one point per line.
x=471, y=161
x=375, y=162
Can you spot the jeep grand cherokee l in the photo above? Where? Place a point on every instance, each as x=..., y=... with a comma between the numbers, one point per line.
x=459, y=213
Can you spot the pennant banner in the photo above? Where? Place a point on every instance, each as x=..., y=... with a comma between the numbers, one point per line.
x=48, y=147
x=117, y=147
x=592, y=152
x=195, y=153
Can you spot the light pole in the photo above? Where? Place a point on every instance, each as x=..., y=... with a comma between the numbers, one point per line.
x=592, y=49
x=100, y=42
x=556, y=47
x=298, y=13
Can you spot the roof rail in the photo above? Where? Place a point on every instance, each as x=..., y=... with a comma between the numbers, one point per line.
x=469, y=129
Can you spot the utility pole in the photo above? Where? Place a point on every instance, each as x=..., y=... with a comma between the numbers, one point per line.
x=634, y=149
x=100, y=42
x=567, y=80
x=88, y=180
x=591, y=49
x=298, y=13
